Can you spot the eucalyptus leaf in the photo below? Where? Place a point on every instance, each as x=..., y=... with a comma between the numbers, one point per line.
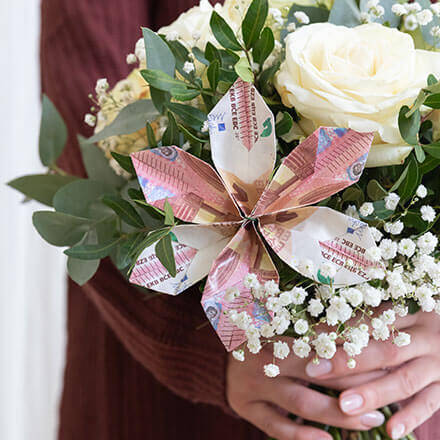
x=191, y=116
x=420, y=154
x=345, y=13
x=93, y=251
x=165, y=254
x=433, y=101
x=223, y=32
x=253, y=21
x=433, y=149
x=97, y=165
x=60, y=229
x=264, y=46
x=76, y=197
x=82, y=271
x=124, y=210
x=283, y=126
x=130, y=119
x=159, y=56
x=127, y=249
x=161, y=81
x=41, y=187
x=375, y=190
x=353, y=194
x=200, y=56
x=53, y=133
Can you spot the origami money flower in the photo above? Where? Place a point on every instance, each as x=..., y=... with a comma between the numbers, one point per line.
x=231, y=211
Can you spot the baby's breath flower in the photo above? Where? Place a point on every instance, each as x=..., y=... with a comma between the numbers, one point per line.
x=285, y=298
x=251, y=281
x=139, y=50
x=315, y=307
x=421, y=192
x=401, y=310
x=281, y=350
x=301, y=348
x=189, y=67
x=351, y=364
x=352, y=211
x=366, y=209
x=325, y=347
x=388, y=249
x=271, y=288
x=298, y=295
x=291, y=27
x=411, y=23
x=301, y=326
x=205, y=127
x=231, y=294
x=402, y=339
x=435, y=31
x=374, y=253
x=131, y=58
x=266, y=331
x=90, y=119
x=407, y=247
x=428, y=213
x=302, y=17
x=398, y=9
x=101, y=86
x=377, y=235
x=424, y=17
x=394, y=228
x=271, y=370
x=427, y=243
x=306, y=267
x=413, y=7
x=391, y=201
x=238, y=355
x=172, y=36
x=353, y=296
x=435, y=7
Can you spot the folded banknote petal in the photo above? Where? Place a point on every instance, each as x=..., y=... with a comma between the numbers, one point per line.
x=328, y=161
x=306, y=238
x=244, y=254
x=243, y=144
x=195, y=248
x=191, y=186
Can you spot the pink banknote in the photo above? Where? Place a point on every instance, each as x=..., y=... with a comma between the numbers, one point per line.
x=232, y=210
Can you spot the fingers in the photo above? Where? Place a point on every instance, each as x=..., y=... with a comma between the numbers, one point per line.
x=312, y=405
x=415, y=413
x=356, y=380
x=378, y=355
x=398, y=385
x=270, y=421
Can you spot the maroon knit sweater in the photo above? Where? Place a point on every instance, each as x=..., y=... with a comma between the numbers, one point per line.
x=137, y=367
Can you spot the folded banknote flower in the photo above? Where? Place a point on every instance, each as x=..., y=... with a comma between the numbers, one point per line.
x=233, y=208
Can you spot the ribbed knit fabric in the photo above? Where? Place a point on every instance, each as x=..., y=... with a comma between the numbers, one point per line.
x=127, y=351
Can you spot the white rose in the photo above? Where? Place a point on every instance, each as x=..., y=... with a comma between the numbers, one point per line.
x=356, y=78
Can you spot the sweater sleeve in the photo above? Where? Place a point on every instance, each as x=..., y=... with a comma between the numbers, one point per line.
x=82, y=41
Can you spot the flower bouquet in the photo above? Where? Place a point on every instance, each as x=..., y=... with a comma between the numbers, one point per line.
x=283, y=157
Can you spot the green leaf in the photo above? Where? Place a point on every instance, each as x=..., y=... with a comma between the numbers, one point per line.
x=41, y=187
x=124, y=162
x=380, y=211
x=171, y=134
x=433, y=149
x=420, y=154
x=213, y=74
x=200, y=56
x=412, y=181
x=160, y=99
x=124, y=210
x=190, y=136
x=432, y=80
x=191, y=116
x=375, y=190
x=127, y=249
x=53, y=133
x=151, y=137
x=97, y=165
x=161, y=81
x=254, y=21
x=82, y=271
x=414, y=220
x=243, y=70
x=76, y=197
x=181, y=54
x=433, y=101
x=184, y=94
x=345, y=13
x=316, y=14
x=264, y=46
x=284, y=125
x=159, y=55
x=353, y=194
x=212, y=53
x=165, y=254
x=93, y=251
x=409, y=126
x=223, y=32
x=169, y=215
x=130, y=119
x=400, y=180
x=60, y=229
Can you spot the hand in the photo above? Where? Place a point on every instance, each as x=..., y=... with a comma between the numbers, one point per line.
x=265, y=402
x=417, y=375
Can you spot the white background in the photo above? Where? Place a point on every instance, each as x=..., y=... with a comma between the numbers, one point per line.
x=32, y=273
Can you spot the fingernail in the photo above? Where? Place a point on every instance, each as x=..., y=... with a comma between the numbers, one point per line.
x=351, y=403
x=373, y=419
x=397, y=432
x=316, y=370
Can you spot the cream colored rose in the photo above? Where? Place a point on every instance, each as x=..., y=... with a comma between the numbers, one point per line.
x=357, y=78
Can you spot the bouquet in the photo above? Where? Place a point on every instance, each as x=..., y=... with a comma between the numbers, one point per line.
x=281, y=156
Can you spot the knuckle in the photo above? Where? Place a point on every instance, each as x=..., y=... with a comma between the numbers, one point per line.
x=372, y=396
x=408, y=382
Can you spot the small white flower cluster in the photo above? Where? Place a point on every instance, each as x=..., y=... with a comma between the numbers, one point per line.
x=414, y=15
x=374, y=10
x=407, y=273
